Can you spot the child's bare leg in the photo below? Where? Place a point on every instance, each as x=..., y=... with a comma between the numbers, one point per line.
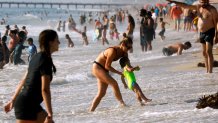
x=138, y=97
x=139, y=91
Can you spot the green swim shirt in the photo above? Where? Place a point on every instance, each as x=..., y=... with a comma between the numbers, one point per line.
x=130, y=77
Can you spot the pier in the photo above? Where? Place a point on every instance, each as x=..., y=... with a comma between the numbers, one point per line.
x=59, y=5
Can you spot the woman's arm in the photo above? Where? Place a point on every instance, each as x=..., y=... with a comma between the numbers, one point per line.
x=111, y=54
x=10, y=104
x=124, y=82
x=46, y=94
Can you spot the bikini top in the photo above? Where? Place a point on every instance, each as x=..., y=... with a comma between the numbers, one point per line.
x=115, y=59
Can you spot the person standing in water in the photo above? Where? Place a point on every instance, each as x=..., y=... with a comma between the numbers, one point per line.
x=34, y=88
x=207, y=21
x=130, y=77
x=130, y=29
x=102, y=66
x=32, y=50
x=162, y=24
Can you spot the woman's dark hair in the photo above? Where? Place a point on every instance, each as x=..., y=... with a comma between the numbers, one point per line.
x=123, y=61
x=131, y=20
x=45, y=37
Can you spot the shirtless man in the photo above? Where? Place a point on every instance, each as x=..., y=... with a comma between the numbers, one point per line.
x=207, y=21
x=176, y=48
x=187, y=19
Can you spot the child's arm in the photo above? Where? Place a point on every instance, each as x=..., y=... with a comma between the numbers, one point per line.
x=123, y=81
x=167, y=23
x=130, y=68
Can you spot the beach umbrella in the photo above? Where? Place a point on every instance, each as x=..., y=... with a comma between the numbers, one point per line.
x=158, y=4
x=146, y=6
x=164, y=4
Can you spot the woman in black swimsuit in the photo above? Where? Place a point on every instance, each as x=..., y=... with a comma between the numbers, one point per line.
x=102, y=66
x=35, y=85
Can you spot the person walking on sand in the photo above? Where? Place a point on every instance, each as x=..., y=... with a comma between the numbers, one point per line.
x=207, y=20
x=176, y=48
x=130, y=77
x=34, y=88
x=102, y=66
x=162, y=25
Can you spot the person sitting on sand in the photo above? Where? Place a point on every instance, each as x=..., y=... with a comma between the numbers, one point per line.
x=176, y=48
x=130, y=77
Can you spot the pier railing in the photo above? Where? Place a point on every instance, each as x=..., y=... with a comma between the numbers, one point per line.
x=59, y=5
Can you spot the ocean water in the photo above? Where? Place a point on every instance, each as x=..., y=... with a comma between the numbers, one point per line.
x=174, y=83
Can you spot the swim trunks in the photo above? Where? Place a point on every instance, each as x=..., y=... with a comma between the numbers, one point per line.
x=167, y=51
x=161, y=33
x=207, y=36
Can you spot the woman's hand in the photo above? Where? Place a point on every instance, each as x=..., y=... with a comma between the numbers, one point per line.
x=48, y=119
x=9, y=106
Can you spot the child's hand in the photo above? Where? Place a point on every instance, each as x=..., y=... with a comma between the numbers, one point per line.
x=137, y=68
